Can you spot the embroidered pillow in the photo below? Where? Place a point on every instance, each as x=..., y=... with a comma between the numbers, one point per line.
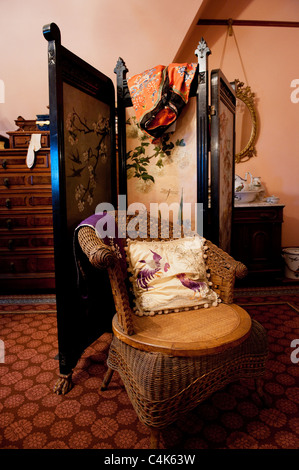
x=169, y=275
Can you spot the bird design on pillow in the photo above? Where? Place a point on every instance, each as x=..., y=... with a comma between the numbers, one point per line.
x=195, y=286
x=150, y=270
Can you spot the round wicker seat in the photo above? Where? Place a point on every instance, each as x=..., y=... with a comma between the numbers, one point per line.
x=190, y=333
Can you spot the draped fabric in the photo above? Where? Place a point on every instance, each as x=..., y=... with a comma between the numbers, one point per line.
x=106, y=228
x=159, y=95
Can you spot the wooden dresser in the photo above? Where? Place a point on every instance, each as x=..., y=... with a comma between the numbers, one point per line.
x=26, y=242
x=256, y=241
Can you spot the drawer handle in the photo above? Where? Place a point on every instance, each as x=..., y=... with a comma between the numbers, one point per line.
x=6, y=182
x=12, y=267
x=8, y=203
x=9, y=224
x=4, y=164
x=10, y=244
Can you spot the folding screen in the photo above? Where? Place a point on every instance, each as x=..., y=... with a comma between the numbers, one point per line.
x=82, y=144
x=223, y=104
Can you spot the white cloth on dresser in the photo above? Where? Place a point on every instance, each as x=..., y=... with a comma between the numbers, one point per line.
x=34, y=146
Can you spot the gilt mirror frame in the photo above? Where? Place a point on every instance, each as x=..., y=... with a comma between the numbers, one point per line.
x=245, y=94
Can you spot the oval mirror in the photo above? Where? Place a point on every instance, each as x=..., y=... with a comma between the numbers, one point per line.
x=246, y=123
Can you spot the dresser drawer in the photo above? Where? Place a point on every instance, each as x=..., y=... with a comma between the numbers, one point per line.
x=14, y=181
x=15, y=160
x=17, y=222
x=36, y=242
x=254, y=214
x=17, y=201
x=26, y=264
x=22, y=139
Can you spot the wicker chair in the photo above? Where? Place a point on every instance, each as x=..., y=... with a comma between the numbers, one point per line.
x=167, y=370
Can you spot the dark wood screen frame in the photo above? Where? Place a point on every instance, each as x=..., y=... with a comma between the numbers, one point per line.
x=79, y=321
x=221, y=92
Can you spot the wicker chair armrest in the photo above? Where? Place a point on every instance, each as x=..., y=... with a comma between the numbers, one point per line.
x=224, y=269
x=100, y=255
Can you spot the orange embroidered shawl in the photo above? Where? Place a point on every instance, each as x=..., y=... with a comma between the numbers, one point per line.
x=159, y=95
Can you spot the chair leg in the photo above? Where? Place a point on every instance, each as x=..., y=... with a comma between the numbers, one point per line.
x=107, y=379
x=155, y=435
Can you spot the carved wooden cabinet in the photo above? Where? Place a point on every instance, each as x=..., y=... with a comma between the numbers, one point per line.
x=26, y=227
x=256, y=240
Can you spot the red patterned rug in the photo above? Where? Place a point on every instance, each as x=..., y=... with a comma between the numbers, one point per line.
x=33, y=417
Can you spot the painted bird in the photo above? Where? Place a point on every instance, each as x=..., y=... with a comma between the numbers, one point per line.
x=190, y=283
x=150, y=270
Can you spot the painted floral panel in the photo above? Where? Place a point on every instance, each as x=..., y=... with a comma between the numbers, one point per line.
x=87, y=144
x=226, y=175
x=164, y=173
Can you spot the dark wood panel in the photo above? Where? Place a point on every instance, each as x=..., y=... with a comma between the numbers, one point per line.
x=28, y=242
x=25, y=201
x=17, y=222
x=13, y=181
x=252, y=214
x=26, y=264
x=257, y=241
x=15, y=160
x=21, y=140
x=25, y=283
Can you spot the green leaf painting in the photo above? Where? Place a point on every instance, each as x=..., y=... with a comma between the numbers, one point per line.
x=138, y=159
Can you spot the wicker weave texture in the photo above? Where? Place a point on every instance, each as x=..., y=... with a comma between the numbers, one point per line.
x=222, y=268
x=162, y=387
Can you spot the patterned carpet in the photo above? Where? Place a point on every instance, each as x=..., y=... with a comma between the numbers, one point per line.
x=33, y=417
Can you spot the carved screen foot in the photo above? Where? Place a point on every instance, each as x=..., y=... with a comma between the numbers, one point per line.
x=63, y=385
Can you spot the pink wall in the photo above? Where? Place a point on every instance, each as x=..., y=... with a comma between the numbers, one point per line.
x=270, y=58
x=99, y=31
